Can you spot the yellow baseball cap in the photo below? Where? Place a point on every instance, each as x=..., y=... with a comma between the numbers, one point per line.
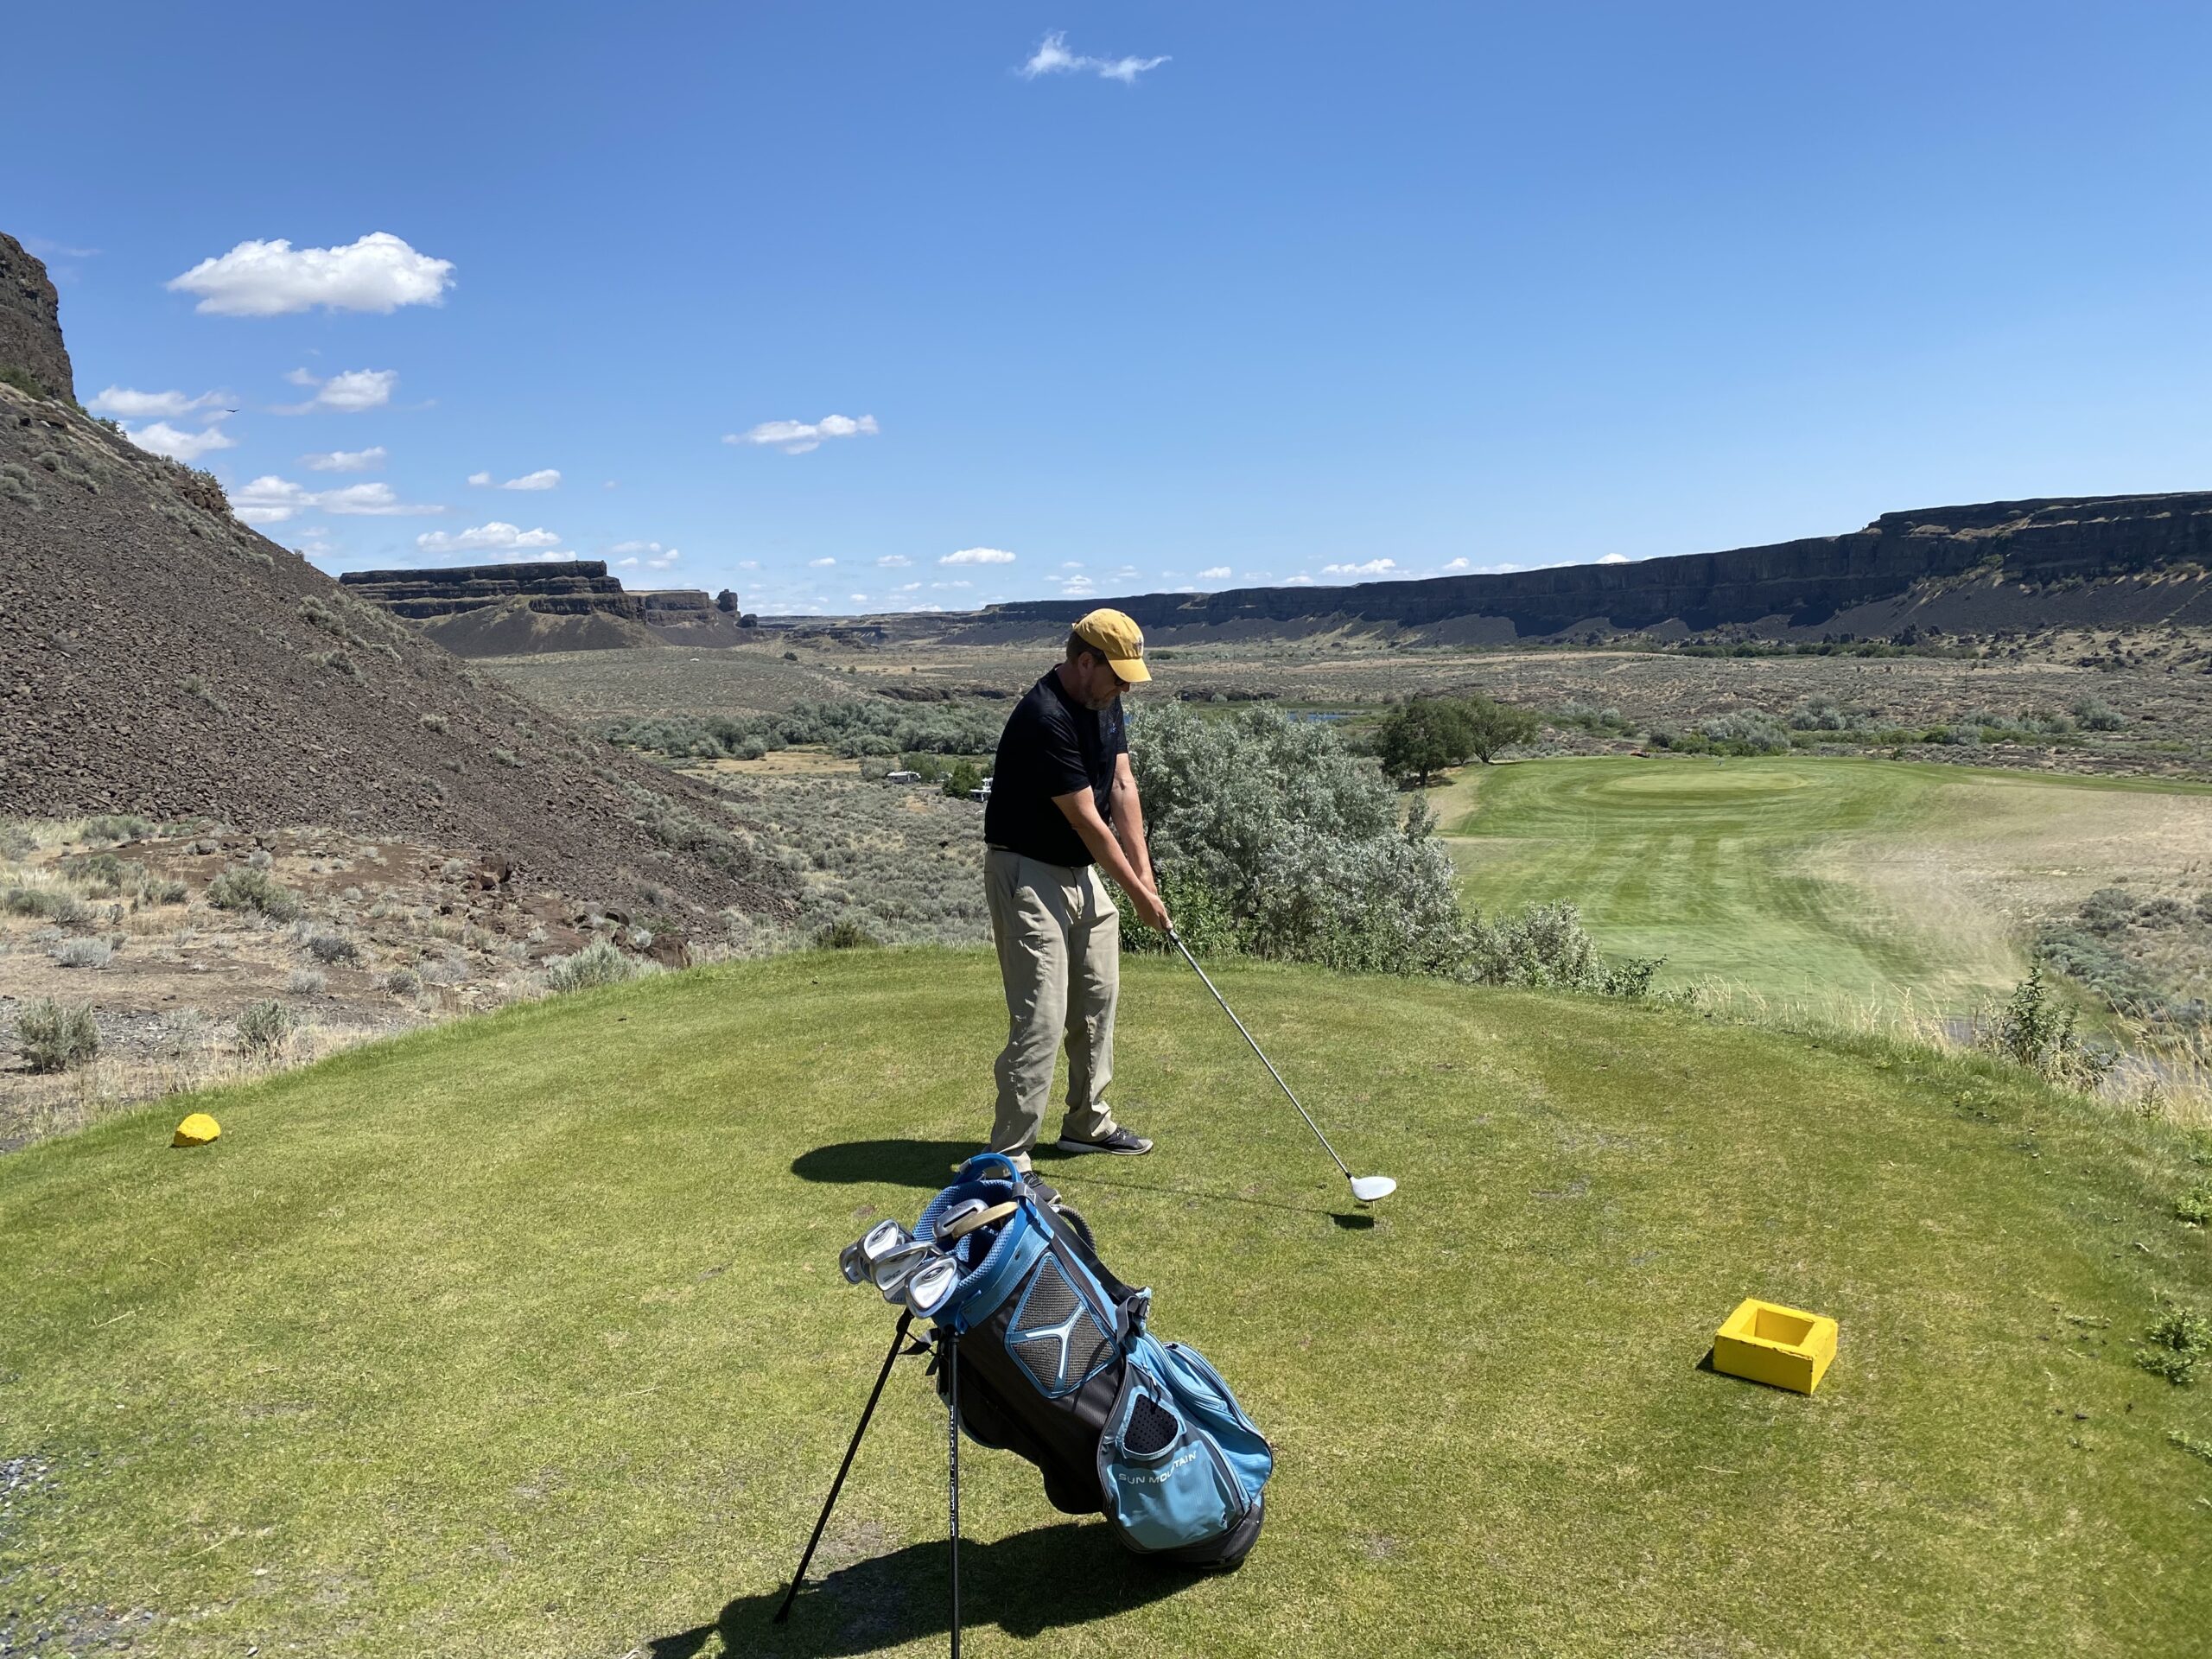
x=1121, y=641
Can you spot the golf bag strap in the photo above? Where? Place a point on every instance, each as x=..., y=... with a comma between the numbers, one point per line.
x=969, y=1223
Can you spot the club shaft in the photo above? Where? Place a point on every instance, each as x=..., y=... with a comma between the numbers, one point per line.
x=844, y=1468
x=952, y=1465
x=1261, y=1053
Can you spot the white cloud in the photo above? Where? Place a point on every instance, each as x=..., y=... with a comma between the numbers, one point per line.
x=160, y=438
x=661, y=562
x=126, y=405
x=1075, y=587
x=951, y=584
x=796, y=437
x=1457, y=564
x=908, y=587
x=1053, y=58
x=270, y=500
x=748, y=564
x=545, y=478
x=379, y=272
x=345, y=461
x=1614, y=558
x=373, y=499
x=820, y=564
x=1298, y=582
x=1214, y=573
x=1371, y=568
x=348, y=393
x=857, y=599
x=624, y=563
x=893, y=562
x=481, y=481
x=1071, y=564
x=978, y=556
x=314, y=542
x=494, y=538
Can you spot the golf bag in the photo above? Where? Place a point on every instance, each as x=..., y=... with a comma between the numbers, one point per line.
x=1056, y=1365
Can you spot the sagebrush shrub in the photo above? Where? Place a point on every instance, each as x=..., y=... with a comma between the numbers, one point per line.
x=83, y=953
x=244, y=887
x=266, y=1028
x=51, y=904
x=598, y=963
x=331, y=949
x=54, y=1038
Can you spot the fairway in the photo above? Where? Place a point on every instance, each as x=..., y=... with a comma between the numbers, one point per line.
x=1830, y=883
x=525, y=1335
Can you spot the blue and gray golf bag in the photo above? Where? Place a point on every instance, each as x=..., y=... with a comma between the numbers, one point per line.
x=1057, y=1366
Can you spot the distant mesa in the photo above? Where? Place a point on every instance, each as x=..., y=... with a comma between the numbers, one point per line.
x=504, y=610
x=2099, y=560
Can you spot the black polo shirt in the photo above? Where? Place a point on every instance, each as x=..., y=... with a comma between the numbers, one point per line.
x=1052, y=746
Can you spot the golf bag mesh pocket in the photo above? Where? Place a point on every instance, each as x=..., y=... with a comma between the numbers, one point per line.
x=1056, y=1338
x=1151, y=1428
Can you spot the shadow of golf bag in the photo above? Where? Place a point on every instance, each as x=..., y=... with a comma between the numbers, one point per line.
x=1056, y=1366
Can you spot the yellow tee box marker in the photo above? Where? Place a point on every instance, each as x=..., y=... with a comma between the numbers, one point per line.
x=196, y=1131
x=1785, y=1346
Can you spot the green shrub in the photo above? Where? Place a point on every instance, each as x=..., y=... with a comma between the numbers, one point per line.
x=962, y=780
x=2194, y=1205
x=161, y=890
x=2032, y=1029
x=23, y=381
x=330, y=948
x=83, y=953
x=117, y=826
x=49, y=903
x=266, y=1028
x=435, y=722
x=1273, y=840
x=598, y=963
x=2098, y=716
x=243, y=887
x=846, y=933
x=403, y=981
x=54, y=1038
x=2178, y=1339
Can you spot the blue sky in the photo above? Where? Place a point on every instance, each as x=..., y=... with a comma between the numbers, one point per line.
x=1325, y=290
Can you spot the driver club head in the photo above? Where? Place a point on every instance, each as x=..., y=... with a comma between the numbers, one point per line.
x=1369, y=1188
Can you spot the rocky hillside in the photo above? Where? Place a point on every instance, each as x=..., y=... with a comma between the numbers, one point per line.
x=156, y=656
x=2102, y=561
x=507, y=610
x=30, y=324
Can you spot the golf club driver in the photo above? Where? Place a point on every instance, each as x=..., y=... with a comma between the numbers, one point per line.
x=1365, y=1189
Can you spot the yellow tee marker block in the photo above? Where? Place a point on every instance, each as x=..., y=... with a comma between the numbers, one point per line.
x=1785, y=1346
x=196, y=1131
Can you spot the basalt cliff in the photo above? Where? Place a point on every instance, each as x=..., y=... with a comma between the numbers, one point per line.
x=2105, y=560
x=502, y=610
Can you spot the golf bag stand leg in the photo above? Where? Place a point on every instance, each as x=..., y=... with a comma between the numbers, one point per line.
x=838, y=1485
x=952, y=1466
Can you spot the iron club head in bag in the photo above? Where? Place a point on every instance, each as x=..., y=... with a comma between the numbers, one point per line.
x=892, y=1272
x=1365, y=1189
x=857, y=1261
x=929, y=1286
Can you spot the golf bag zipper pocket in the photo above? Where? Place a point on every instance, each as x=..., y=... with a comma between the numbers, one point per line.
x=1165, y=1484
x=1213, y=1398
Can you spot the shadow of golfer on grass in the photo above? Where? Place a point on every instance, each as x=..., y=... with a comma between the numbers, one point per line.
x=1034, y=1582
x=927, y=1165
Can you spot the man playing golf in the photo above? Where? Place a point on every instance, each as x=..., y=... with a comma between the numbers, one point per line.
x=1063, y=807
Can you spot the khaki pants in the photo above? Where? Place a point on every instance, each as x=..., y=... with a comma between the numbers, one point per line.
x=1059, y=944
